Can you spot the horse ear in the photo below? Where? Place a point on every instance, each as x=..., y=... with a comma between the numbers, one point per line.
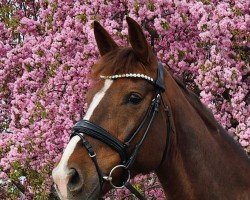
x=138, y=41
x=104, y=41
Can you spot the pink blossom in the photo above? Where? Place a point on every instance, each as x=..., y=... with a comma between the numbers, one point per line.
x=46, y=56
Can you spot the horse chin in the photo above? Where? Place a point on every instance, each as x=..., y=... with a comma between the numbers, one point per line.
x=92, y=194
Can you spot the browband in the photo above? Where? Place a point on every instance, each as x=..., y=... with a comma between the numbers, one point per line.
x=159, y=82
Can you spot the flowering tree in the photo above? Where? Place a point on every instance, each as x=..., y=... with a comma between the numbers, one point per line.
x=47, y=49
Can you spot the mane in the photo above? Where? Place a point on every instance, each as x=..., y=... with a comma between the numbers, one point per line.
x=195, y=101
x=119, y=61
x=208, y=117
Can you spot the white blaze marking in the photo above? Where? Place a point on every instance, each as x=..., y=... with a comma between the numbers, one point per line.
x=60, y=173
x=97, y=98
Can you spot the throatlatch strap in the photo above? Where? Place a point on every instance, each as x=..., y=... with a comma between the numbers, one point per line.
x=134, y=191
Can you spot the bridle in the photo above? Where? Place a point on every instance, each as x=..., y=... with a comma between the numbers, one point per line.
x=85, y=127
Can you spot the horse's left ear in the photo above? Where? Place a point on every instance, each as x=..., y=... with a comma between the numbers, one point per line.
x=138, y=41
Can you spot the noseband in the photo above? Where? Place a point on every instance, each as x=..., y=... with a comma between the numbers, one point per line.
x=85, y=127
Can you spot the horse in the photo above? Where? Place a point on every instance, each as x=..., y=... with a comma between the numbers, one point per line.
x=142, y=119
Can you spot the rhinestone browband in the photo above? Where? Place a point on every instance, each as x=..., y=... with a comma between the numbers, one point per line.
x=128, y=76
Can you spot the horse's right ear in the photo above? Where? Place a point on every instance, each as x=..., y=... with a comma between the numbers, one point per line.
x=104, y=41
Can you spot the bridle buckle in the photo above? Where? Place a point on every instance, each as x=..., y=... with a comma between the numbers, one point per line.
x=92, y=156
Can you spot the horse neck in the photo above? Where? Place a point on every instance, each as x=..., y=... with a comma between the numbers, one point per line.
x=203, y=158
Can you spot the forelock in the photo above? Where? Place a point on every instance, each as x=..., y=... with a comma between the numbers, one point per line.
x=120, y=61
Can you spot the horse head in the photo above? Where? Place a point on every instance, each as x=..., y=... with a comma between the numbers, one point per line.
x=121, y=134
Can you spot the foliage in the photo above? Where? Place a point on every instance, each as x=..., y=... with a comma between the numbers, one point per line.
x=48, y=47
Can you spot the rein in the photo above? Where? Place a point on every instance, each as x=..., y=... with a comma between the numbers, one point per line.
x=85, y=127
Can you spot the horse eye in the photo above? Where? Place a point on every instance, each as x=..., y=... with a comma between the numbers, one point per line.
x=134, y=98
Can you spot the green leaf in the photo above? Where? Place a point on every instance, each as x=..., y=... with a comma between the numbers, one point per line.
x=165, y=25
x=181, y=54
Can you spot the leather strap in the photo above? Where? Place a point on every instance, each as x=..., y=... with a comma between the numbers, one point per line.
x=91, y=153
x=134, y=191
x=130, y=138
x=169, y=128
x=153, y=111
x=95, y=131
x=160, y=78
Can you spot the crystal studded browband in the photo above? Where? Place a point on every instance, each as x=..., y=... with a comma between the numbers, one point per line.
x=158, y=82
x=128, y=76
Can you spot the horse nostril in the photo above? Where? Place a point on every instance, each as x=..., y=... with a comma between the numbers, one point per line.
x=75, y=181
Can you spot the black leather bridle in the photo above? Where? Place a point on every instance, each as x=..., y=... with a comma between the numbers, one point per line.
x=85, y=127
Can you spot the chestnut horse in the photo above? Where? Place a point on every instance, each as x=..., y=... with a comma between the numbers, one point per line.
x=176, y=135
